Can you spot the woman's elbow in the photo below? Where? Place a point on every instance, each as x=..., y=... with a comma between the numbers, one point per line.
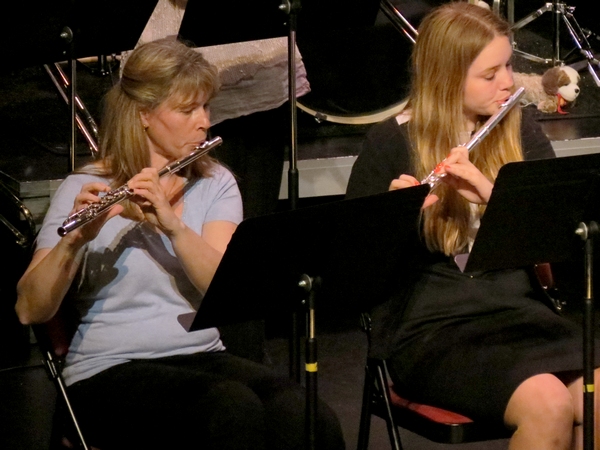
x=28, y=312
x=24, y=312
x=23, y=315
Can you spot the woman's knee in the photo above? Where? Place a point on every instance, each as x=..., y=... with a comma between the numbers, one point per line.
x=235, y=417
x=542, y=400
x=232, y=398
x=286, y=415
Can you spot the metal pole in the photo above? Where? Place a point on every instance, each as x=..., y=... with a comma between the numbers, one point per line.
x=588, y=233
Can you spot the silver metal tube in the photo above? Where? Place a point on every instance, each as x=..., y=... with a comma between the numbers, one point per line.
x=434, y=178
x=95, y=210
x=91, y=136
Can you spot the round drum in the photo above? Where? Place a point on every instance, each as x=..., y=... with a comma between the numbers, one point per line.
x=356, y=60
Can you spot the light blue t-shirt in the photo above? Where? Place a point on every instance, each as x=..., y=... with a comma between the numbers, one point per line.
x=131, y=288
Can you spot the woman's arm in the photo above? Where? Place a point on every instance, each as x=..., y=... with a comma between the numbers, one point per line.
x=198, y=253
x=383, y=157
x=201, y=255
x=41, y=289
x=44, y=284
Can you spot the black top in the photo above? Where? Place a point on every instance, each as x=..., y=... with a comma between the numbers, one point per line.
x=385, y=154
x=460, y=341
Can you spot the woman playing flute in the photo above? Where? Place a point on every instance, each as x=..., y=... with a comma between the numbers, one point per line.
x=487, y=345
x=136, y=377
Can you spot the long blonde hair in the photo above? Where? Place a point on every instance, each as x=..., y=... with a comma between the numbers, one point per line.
x=155, y=72
x=450, y=39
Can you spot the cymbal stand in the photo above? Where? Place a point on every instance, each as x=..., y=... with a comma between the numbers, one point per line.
x=561, y=11
x=398, y=20
x=61, y=82
x=401, y=23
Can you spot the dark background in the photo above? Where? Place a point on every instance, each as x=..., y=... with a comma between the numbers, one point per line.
x=354, y=66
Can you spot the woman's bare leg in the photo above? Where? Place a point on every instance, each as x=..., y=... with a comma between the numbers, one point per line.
x=542, y=411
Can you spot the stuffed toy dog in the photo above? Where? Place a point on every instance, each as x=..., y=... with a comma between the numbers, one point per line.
x=550, y=92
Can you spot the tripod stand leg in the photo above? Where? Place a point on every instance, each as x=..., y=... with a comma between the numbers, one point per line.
x=398, y=20
x=593, y=72
x=560, y=10
x=581, y=42
x=532, y=16
x=557, y=12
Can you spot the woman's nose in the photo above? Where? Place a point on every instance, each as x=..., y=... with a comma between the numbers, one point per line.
x=204, y=118
x=506, y=79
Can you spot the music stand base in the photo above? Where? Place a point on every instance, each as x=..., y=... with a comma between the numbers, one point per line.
x=310, y=285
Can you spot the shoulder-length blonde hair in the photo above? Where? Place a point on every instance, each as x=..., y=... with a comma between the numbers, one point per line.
x=155, y=72
x=450, y=39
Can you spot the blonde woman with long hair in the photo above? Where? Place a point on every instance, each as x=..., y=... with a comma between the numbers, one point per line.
x=136, y=377
x=487, y=345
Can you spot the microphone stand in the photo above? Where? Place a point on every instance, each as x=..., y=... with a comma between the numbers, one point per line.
x=67, y=36
x=291, y=8
x=588, y=233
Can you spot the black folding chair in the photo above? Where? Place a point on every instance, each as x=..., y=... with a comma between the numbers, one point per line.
x=435, y=424
x=53, y=338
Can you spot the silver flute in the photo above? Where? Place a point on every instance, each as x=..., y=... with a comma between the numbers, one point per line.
x=96, y=209
x=434, y=178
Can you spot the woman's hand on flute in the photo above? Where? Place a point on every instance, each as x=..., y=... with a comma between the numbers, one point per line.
x=463, y=176
x=88, y=195
x=405, y=181
x=198, y=253
x=153, y=201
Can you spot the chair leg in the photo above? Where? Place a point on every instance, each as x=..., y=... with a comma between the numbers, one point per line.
x=385, y=395
x=60, y=385
x=365, y=413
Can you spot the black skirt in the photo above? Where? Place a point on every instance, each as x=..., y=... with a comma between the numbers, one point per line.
x=466, y=342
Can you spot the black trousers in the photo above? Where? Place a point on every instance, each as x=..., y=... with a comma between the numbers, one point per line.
x=199, y=401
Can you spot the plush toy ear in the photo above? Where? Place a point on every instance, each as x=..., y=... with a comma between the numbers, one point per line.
x=553, y=79
x=572, y=74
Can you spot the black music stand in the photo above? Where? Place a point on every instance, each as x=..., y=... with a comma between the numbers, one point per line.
x=541, y=212
x=345, y=252
x=240, y=21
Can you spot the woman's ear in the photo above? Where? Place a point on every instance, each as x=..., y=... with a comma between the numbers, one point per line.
x=144, y=119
